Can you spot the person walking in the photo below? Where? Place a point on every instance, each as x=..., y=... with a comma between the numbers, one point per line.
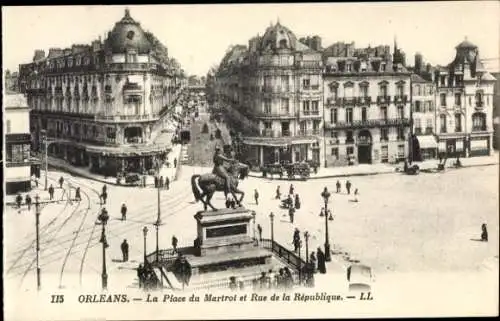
x=104, y=189
x=259, y=229
x=313, y=261
x=124, y=248
x=256, y=197
x=140, y=275
x=291, y=213
x=484, y=233
x=104, y=197
x=278, y=193
x=19, y=200
x=28, y=201
x=321, y=261
x=297, y=202
x=348, y=187
x=61, y=181
x=161, y=182
x=144, y=180
x=167, y=183
x=296, y=240
x=174, y=243
x=175, y=162
x=156, y=182
x=78, y=196
x=36, y=181
x=51, y=192
x=291, y=190
x=338, y=186
x=356, y=195
x=124, y=211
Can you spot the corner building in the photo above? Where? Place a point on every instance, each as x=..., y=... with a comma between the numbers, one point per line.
x=273, y=89
x=367, y=105
x=99, y=104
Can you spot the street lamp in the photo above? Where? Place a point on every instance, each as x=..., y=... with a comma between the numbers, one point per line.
x=306, y=237
x=326, y=195
x=254, y=215
x=37, y=211
x=145, y=232
x=157, y=226
x=271, y=216
x=103, y=218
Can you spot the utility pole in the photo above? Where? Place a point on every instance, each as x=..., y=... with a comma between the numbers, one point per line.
x=326, y=195
x=103, y=218
x=157, y=225
x=37, y=209
x=272, y=228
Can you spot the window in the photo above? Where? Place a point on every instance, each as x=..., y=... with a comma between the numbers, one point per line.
x=363, y=114
x=442, y=120
x=384, y=134
x=443, y=80
x=400, y=90
x=335, y=135
x=383, y=111
x=349, y=138
x=110, y=132
x=305, y=107
x=9, y=128
x=267, y=106
x=285, y=105
x=479, y=122
x=429, y=126
x=363, y=90
x=285, y=82
x=335, y=153
x=306, y=83
x=267, y=125
x=131, y=57
x=348, y=115
x=267, y=81
x=417, y=106
x=350, y=150
x=417, y=90
x=442, y=98
x=315, y=107
x=401, y=151
x=458, y=99
x=384, y=154
x=430, y=106
x=418, y=123
x=401, y=112
x=333, y=92
x=348, y=90
x=383, y=90
x=348, y=67
x=458, y=123
x=334, y=115
x=479, y=99
x=78, y=61
x=401, y=133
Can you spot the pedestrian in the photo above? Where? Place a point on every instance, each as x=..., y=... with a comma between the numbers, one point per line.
x=296, y=239
x=322, y=212
x=291, y=212
x=19, y=200
x=278, y=193
x=156, y=182
x=36, y=181
x=289, y=201
x=175, y=162
x=144, y=180
x=262, y=280
x=104, y=196
x=161, y=182
x=356, y=195
x=291, y=190
x=28, y=201
x=270, y=279
x=297, y=202
x=174, y=243
x=61, y=181
x=78, y=197
x=140, y=275
x=256, y=197
x=124, y=248
x=338, y=186
x=167, y=183
x=348, y=187
x=313, y=261
x=259, y=229
x=124, y=211
x=484, y=233
x=51, y=192
x=321, y=261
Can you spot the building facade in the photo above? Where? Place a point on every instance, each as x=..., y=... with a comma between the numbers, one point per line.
x=423, y=108
x=464, y=106
x=273, y=89
x=18, y=160
x=367, y=105
x=99, y=104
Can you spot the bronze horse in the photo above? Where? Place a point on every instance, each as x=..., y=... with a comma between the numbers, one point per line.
x=210, y=183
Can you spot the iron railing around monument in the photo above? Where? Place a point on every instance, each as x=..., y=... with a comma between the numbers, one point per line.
x=290, y=258
x=168, y=256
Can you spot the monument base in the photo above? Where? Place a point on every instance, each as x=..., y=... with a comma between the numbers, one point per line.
x=225, y=241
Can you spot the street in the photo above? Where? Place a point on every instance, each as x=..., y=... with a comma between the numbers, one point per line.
x=393, y=228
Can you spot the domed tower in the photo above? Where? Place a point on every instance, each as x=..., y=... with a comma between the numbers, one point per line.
x=127, y=36
x=278, y=37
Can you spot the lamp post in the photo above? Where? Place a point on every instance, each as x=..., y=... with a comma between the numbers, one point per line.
x=254, y=215
x=157, y=226
x=306, y=237
x=37, y=211
x=271, y=216
x=44, y=138
x=145, y=232
x=103, y=218
x=326, y=195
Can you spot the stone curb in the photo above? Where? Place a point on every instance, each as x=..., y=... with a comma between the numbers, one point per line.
x=358, y=174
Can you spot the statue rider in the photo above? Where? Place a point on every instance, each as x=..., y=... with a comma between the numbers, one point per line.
x=219, y=169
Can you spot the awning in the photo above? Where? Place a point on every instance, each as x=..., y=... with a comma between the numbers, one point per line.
x=427, y=142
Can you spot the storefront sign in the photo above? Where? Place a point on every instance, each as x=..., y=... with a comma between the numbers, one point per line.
x=478, y=144
x=18, y=138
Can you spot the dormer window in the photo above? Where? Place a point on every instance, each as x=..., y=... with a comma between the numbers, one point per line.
x=348, y=67
x=363, y=66
x=130, y=35
x=382, y=66
x=86, y=61
x=283, y=44
x=70, y=62
x=131, y=56
x=78, y=61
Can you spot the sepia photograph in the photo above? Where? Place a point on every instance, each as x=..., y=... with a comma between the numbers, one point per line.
x=230, y=161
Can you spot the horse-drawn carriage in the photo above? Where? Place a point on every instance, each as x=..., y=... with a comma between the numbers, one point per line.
x=129, y=178
x=292, y=170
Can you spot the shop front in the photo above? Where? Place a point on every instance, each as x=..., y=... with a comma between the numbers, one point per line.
x=479, y=145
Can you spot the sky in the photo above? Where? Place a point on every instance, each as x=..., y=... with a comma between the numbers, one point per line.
x=199, y=35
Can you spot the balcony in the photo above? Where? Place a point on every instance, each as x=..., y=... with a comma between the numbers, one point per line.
x=383, y=100
x=400, y=99
x=479, y=128
x=370, y=123
x=271, y=115
x=125, y=118
x=270, y=133
x=429, y=130
x=130, y=66
x=309, y=132
x=333, y=101
x=348, y=100
x=310, y=113
x=364, y=100
x=309, y=64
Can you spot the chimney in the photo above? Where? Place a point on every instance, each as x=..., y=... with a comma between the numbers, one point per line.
x=39, y=55
x=418, y=62
x=316, y=43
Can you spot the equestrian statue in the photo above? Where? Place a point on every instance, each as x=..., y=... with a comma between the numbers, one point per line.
x=224, y=178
